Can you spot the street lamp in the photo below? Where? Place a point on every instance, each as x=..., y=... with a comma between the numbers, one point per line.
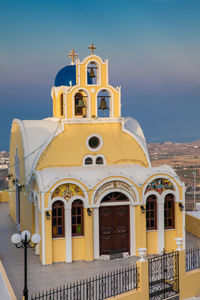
x=195, y=174
x=23, y=241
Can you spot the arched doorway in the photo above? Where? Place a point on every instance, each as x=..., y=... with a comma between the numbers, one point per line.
x=114, y=223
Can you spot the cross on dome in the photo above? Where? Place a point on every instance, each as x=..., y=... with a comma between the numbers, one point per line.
x=72, y=55
x=92, y=48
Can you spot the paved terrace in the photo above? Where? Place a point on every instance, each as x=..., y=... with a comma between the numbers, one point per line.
x=45, y=277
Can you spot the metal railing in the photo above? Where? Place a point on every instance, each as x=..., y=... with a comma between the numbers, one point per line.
x=96, y=288
x=192, y=259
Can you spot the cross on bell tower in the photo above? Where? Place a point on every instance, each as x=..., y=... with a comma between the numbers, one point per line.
x=92, y=48
x=72, y=55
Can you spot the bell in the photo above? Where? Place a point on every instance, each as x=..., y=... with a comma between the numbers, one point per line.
x=91, y=74
x=80, y=103
x=103, y=105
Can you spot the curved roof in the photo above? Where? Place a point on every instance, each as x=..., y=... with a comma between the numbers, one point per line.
x=91, y=176
x=36, y=135
x=66, y=76
x=131, y=125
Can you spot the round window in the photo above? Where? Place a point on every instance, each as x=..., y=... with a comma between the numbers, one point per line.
x=94, y=142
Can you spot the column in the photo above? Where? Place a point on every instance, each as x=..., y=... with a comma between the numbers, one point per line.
x=68, y=235
x=132, y=230
x=96, y=231
x=160, y=224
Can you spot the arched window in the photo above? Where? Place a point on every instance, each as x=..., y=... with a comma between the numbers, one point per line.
x=99, y=160
x=103, y=104
x=169, y=212
x=79, y=104
x=88, y=161
x=151, y=213
x=58, y=219
x=92, y=73
x=77, y=218
x=114, y=197
x=61, y=104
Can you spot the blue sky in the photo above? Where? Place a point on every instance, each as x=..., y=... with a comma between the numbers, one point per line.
x=153, y=48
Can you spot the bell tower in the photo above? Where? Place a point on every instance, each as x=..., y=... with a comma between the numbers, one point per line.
x=82, y=91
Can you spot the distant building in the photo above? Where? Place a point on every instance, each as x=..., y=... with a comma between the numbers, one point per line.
x=83, y=178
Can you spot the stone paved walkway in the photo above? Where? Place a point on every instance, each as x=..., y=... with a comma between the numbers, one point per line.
x=45, y=277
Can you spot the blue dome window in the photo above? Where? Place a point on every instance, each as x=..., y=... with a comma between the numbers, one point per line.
x=66, y=76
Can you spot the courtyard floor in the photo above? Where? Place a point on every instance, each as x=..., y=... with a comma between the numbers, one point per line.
x=42, y=278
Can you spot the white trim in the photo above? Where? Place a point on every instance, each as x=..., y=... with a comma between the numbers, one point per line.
x=107, y=74
x=160, y=226
x=85, y=199
x=88, y=103
x=102, y=156
x=106, y=180
x=43, y=230
x=68, y=235
x=100, y=140
x=111, y=102
x=120, y=103
x=158, y=176
x=65, y=104
x=132, y=229
x=36, y=223
x=88, y=156
x=98, y=65
x=96, y=232
x=165, y=193
x=91, y=58
x=98, y=203
x=115, y=203
x=137, y=140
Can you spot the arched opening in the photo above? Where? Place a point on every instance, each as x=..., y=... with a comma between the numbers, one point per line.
x=99, y=160
x=114, y=224
x=80, y=103
x=169, y=220
x=88, y=161
x=103, y=104
x=92, y=73
x=58, y=219
x=61, y=105
x=77, y=218
x=151, y=213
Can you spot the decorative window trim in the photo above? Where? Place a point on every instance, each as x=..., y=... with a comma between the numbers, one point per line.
x=173, y=213
x=154, y=200
x=100, y=144
x=62, y=219
x=78, y=215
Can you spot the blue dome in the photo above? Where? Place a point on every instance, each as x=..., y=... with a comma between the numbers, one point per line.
x=65, y=75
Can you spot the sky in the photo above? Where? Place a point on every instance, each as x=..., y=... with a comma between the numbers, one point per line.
x=153, y=47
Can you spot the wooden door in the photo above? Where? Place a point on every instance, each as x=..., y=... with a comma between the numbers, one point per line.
x=114, y=229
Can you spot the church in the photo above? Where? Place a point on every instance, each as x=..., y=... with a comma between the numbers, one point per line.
x=83, y=179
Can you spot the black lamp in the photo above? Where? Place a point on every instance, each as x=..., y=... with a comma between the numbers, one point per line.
x=89, y=212
x=142, y=209
x=181, y=206
x=48, y=215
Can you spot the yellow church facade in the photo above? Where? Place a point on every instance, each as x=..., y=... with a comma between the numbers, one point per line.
x=83, y=179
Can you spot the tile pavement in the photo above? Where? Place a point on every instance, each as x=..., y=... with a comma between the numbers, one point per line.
x=45, y=277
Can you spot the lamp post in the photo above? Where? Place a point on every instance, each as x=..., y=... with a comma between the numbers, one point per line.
x=23, y=241
x=195, y=174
